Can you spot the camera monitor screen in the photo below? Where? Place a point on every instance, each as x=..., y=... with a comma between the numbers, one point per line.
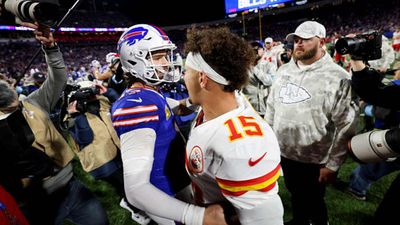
x=234, y=6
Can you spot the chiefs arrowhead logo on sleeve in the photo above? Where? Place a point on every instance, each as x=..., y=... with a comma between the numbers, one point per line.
x=196, y=161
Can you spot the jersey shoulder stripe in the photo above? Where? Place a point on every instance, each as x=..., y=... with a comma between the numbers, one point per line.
x=134, y=121
x=135, y=110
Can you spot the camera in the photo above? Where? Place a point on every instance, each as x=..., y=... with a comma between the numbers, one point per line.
x=375, y=146
x=84, y=97
x=30, y=11
x=365, y=46
x=285, y=58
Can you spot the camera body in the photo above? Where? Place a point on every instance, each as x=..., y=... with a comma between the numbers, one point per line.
x=83, y=96
x=44, y=13
x=365, y=46
x=285, y=58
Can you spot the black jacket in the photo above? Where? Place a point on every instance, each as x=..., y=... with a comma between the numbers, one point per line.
x=367, y=83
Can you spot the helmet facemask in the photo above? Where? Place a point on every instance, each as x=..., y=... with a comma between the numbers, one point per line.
x=168, y=71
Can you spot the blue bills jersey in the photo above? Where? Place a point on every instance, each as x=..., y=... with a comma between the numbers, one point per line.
x=140, y=108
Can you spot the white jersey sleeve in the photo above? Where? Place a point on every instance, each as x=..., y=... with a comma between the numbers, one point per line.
x=137, y=148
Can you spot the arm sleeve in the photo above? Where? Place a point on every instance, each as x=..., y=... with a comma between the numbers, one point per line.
x=137, y=148
x=270, y=109
x=388, y=55
x=49, y=93
x=111, y=95
x=82, y=132
x=263, y=72
x=344, y=115
x=367, y=84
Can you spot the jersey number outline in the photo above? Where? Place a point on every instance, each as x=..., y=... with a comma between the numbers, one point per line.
x=249, y=127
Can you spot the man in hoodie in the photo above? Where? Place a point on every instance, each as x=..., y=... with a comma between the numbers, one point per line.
x=311, y=111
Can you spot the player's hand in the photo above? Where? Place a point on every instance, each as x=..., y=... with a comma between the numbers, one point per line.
x=214, y=215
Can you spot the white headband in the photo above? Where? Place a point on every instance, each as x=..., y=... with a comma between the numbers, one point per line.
x=196, y=62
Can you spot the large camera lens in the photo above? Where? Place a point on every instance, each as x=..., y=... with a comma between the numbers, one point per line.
x=30, y=11
x=365, y=46
x=375, y=146
x=46, y=13
x=349, y=45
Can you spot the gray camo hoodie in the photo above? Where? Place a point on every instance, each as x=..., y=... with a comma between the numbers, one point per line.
x=312, y=112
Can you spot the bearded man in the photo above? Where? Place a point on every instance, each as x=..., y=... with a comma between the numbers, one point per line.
x=310, y=108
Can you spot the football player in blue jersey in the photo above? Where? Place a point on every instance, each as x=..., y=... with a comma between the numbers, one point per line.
x=152, y=149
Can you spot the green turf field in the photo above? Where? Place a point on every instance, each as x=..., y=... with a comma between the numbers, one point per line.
x=343, y=209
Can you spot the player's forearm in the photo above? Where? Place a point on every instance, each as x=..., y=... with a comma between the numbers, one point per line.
x=137, y=148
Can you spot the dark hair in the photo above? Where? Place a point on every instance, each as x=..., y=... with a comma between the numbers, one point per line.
x=227, y=53
x=7, y=95
x=130, y=79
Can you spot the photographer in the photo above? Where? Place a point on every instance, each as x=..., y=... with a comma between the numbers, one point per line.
x=367, y=83
x=91, y=127
x=286, y=55
x=41, y=157
x=97, y=143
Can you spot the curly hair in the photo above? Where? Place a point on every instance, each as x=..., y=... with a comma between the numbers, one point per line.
x=227, y=53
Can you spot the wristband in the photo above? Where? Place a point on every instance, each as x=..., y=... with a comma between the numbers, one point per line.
x=193, y=215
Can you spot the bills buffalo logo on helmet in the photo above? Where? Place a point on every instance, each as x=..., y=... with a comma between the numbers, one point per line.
x=134, y=35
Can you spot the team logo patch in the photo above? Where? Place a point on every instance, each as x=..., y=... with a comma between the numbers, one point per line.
x=167, y=113
x=292, y=93
x=196, y=160
x=132, y=36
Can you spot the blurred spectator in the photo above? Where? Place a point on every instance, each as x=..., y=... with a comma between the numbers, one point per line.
x=388, y=56
x=260, y=75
